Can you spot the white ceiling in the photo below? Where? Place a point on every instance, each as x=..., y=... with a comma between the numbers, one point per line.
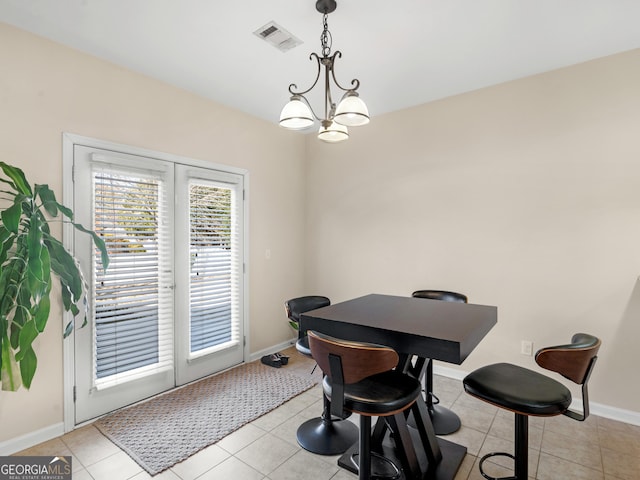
x=404, y=52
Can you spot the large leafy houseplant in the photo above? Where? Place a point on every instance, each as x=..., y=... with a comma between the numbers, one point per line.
x=30, y=258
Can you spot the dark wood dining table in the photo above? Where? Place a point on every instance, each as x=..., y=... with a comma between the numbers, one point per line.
x=445, y=331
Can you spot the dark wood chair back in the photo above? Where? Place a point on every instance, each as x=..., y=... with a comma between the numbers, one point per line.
x=358, y=360
x=296, y=306
x=573, y=361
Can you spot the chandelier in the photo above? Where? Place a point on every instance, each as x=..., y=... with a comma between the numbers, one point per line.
x=351, y=111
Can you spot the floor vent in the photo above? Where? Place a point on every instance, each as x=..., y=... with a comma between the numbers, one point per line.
x=277, y=36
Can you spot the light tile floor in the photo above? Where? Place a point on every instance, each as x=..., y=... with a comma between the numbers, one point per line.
x=266, y=449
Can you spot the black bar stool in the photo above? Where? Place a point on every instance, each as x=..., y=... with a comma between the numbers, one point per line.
x=322, y=435
x=360, y=378
x=444, y=420
x=526, y=392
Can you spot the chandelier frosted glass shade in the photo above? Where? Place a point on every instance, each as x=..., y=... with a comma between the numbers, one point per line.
x=296, y=115
x=333, y=133
x=351, y=111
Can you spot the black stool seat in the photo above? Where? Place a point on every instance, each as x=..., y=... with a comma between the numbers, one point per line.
x=519, y=389
x=379, y=394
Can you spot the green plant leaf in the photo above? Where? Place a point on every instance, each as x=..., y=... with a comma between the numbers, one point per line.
x=44, y=225
x=9, y=370
x=41, y=314
x=18, y=178
x=4, y=234
x=65, y=211
x=64, y=265
x=58, y=268
x=36, y=276
x=28, y=366
x=8, y=182
x=28, y=334
x=45, y=260
x=74, y=310
x=21, y=316
x=68, y=329
x=4, y=324
x=6, y=242
x=48, y=198
x=65, y=293
x=10, y=282
x=99, y=243
x=11, y=217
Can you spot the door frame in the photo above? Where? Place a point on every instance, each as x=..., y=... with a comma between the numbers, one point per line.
x=69, y=140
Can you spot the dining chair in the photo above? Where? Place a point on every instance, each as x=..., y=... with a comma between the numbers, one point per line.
x=360, y=378
x=444, y=420
x=529, y=393
x=322, y=435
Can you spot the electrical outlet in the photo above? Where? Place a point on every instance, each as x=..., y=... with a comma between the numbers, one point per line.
x=526, y=347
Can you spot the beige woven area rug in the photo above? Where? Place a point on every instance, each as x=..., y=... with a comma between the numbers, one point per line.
x=169, y=428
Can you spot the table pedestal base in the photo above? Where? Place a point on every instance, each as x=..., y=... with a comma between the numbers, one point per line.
x=452, y=457
x=445, y=421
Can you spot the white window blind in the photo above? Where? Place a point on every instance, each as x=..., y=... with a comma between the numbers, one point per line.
x=132, y=301
x=214, y=252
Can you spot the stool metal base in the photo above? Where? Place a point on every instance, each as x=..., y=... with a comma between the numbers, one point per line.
x=489, y=455
x=327, y=437
x=381, y=467
x=521, y=457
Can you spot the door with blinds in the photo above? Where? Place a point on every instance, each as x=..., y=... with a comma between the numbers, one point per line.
x=208, y=239
x=168, y=310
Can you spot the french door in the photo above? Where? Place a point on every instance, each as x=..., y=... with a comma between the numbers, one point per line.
x=168, y=309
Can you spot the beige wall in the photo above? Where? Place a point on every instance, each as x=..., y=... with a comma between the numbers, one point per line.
x=47, y=89
x=524, y=195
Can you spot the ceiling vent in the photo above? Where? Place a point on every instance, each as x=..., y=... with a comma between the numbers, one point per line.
x=277, y=36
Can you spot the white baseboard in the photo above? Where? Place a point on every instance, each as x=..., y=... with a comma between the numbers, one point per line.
x=606, y=411
x=613, y=413
x=30, y=439
x=273, y=349
x=449, y=372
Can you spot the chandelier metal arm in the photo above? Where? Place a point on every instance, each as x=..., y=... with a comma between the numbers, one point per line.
x=355, y=83
x=328, y=62
x=294, y=86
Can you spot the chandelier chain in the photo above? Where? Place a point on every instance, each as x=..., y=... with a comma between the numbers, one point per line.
x=325, y=37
